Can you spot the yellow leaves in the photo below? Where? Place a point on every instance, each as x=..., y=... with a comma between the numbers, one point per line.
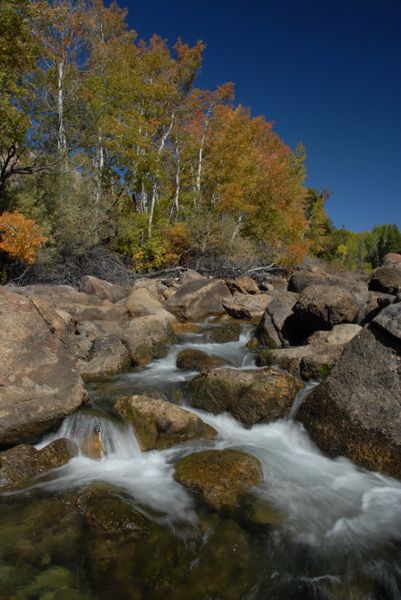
x=20, y=237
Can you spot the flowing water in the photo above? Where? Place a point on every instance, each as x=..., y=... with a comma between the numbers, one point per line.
x=315, y=528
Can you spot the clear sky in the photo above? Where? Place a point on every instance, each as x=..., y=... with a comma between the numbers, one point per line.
x=327, y=72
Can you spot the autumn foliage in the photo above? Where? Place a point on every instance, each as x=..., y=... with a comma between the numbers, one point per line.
x=20, y=237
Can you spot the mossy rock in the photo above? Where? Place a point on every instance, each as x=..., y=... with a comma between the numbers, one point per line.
x=252, y=396
x=159, y=424
x=192, y=359
x=220, y=477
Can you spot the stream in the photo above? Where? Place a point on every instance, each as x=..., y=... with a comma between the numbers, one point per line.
x=114, y=524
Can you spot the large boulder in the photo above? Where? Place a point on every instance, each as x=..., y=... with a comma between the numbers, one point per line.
x=148, y=337
x=59, y=296
x=252, y=396
x=142, y=302
x=322, y=307
x=159, y=424
x=275, y=328
x=389, y=321
x=39, y=381
x=316, y=358
x=107, y=356
x=386, y=279
x=244, y=285
x=24, y=462
x=392, y=259
x=356, y=412
x=246, y=306
x=220, y=477
x=198, y=298
x=192, y=359
x=102, y=289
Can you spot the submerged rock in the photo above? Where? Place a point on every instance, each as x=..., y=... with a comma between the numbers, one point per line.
x=221, y=477
x=196, y=360
x=24, y=462
x=159, y=424
x=39, y=381
x=245, y=306
x=198, y=298
x=356, y=412
x=252, y=396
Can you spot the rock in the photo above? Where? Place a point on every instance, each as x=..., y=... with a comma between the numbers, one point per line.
x=302, y=279
x=196, y=360
x=275, y=328
x=376, y=301
x=142, y=302
x=392, y=259
x=245, y=306
x=188, y=276
x=102, y=289
x=355, y=412
x=39, y=381
x=389, y=320
x=59, y=296
x=198, y=298
x=244, y=285
x=273, y=282
x=223, y=331
x=21, y=463
x=159, y=424
x=155, y=288
x=252, y=396
x=105, y=508
x=221, y=477
x=315, y=359
x=386, y=279
x=322, y=307
x=148, y=337
x=108, y=356
x=114, y=312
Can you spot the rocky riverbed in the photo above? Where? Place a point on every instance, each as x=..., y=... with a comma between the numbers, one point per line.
x=173, y=426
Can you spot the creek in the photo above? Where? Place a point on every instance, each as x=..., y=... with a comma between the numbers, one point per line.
x=315, y=528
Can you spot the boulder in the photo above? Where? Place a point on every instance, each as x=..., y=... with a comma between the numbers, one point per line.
x=142, y=302
x=389, y=321
x=322, y=307
x=188, y=276
x=220, y=477
x=386, y=279
x=303, y=278
x=107, y=356
x=252, y=396
x=59, y=296
x=24, y=462
x=148, y=337
x=102, y=289
x=356, y=412
x=223, y=331
x=392, y=259
x=275, y=327
x=245, y=306
x=244, y=285
x=376, y=301
x=155, y=287
x=198, y=298
x=39, y=381
x=196, y=360
x=316, y=358
x=159, y=424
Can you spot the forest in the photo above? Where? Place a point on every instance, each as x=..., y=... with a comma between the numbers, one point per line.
x=105, y=141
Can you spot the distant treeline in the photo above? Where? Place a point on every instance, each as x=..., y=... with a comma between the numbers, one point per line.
x=106, y=140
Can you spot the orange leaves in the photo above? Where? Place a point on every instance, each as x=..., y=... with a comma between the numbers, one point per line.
x=20, y=237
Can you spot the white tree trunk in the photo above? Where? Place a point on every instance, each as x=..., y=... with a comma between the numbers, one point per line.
x=156, y=180
x=176, y=204
x=61, y=139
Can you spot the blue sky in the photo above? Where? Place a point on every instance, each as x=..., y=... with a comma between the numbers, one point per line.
x=328, y=73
